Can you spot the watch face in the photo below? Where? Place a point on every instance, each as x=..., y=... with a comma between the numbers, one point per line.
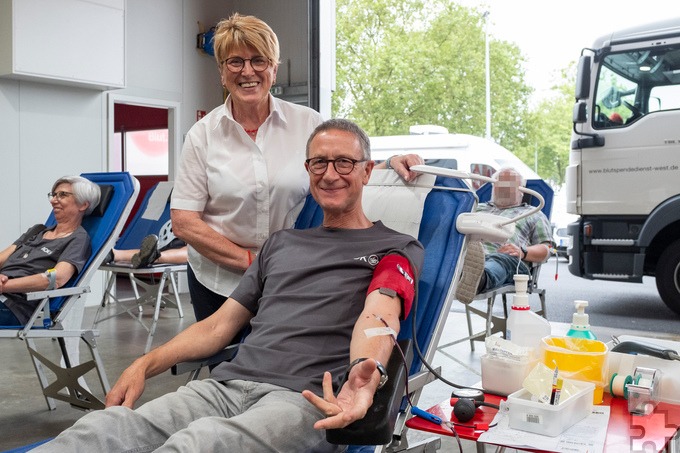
x=474, y=394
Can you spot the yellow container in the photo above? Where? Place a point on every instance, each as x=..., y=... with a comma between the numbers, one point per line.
x=578, y=358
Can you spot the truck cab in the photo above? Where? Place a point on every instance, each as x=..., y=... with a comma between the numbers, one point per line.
x=623, y=178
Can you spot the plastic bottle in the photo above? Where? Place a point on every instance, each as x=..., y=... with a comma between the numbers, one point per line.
x=580, y=327
x=525, y=328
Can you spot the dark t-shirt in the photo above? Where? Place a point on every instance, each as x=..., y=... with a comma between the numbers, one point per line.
x=34, y=255
x=307, y=289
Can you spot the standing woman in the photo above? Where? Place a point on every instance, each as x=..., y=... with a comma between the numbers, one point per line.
x=242, y=167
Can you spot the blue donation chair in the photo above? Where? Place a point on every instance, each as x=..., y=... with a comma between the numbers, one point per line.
x=494, y=323
x=427, y=209
x=53, y=317
x=159, y=282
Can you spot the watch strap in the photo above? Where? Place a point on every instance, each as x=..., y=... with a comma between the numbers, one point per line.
x=387, y=291
x=379, y=367
x=388, y=162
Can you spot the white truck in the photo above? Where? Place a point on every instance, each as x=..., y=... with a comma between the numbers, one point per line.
x=623, y=177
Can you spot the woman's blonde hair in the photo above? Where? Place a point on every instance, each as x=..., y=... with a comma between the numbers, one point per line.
x=245, y=31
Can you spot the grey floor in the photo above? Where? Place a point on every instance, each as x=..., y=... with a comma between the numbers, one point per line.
x=25, y=419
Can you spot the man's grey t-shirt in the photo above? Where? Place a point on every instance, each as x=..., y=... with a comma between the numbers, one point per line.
x=307, y=289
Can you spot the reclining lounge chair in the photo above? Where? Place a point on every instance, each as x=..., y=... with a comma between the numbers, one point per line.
x=430, y=215
x=52, y=317
x=159, y=282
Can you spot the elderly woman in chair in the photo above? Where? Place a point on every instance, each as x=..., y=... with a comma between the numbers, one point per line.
x=45, y=258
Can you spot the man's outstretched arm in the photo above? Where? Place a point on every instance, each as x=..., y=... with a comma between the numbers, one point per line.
x=371, y=339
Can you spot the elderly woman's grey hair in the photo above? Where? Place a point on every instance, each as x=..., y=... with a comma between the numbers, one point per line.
x=83, y=190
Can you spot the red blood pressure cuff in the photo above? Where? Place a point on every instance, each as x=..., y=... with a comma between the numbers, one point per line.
x=394, y=272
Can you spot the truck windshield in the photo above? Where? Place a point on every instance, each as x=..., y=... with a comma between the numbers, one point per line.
x=633, y=84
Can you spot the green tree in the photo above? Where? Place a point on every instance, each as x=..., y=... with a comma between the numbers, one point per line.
x=549, y=130
x=405, y=62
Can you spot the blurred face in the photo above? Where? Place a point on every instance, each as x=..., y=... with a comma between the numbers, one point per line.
x=338, y=194
x=506, y=192
x=246, y=86
x=64, y=204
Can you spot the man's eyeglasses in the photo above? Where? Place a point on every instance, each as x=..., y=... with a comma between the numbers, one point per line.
x=59, y=195
x=236, y=64
x=342, y=165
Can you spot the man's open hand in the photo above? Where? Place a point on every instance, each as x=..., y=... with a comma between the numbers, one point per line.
x=353, y=401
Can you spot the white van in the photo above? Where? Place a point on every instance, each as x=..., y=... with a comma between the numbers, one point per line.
x=457, y=151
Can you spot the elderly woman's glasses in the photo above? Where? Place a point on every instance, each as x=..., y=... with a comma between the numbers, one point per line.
x=58, y=195
x=342, y=165
x=236, y=64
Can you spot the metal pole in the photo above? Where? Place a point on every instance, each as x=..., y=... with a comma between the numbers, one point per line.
x=536, y=157
x=488, y=75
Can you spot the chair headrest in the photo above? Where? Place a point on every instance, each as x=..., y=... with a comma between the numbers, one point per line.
x=104, y=200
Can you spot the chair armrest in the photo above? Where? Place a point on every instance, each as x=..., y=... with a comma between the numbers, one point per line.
x=70, y=291
x=226, y=354
x=377, y=426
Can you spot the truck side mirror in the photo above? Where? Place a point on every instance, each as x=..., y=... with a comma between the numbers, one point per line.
x=580, y=113
x=583, y=77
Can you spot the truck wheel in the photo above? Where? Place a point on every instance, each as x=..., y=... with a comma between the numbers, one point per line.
x=668, y=276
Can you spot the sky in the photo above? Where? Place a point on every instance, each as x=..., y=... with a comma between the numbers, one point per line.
x=552, y=33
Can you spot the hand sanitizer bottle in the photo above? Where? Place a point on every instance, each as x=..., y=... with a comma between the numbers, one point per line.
x=525, y=328
x=580, y=328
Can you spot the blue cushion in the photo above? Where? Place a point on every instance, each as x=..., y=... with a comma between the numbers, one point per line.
x=26, y=448
x=138, y=227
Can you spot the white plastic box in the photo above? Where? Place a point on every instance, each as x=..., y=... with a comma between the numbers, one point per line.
x=504, y=376
x=542, y=418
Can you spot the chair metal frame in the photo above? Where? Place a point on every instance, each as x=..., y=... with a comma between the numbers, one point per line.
x=493, y=323
x=51, y=318
x=162, y=291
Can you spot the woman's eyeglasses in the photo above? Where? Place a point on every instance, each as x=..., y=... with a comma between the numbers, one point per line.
x=59, y=195
x=236, y=64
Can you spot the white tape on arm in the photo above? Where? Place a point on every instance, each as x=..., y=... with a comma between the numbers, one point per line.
x=377, y=331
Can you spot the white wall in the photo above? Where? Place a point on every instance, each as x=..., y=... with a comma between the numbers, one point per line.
x=201, y=85
x=282, y=16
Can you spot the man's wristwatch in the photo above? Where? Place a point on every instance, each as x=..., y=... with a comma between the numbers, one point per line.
x=387, y=291
x=379, y=366
x=524, y=252
x=388, y=162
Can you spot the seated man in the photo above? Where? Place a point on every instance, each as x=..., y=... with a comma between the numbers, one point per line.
x=148, y=253
x=46, y=258
x=491, y=265
x=309, y=297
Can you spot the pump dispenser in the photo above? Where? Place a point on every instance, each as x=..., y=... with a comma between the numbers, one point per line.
x=580, y=327
x=525, y=328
